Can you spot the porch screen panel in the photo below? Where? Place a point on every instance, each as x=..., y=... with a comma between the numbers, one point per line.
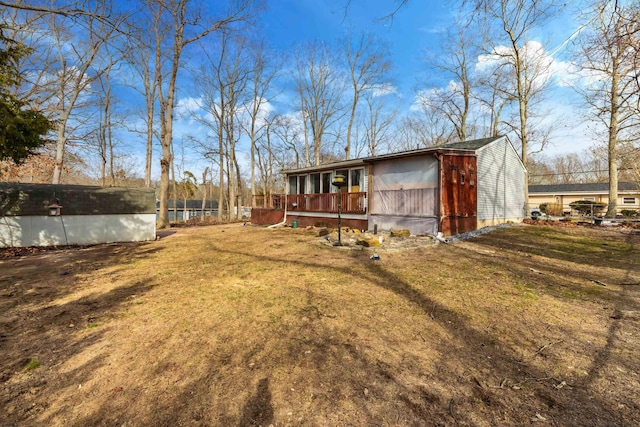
x=405, y=187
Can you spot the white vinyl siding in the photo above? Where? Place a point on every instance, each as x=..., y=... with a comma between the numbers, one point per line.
x=501, y=181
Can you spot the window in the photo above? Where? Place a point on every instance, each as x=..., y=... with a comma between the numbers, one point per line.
x=293, y=184
x=589, y=199
x=628, y=200
x=314, y=183
x=356, y=180
x=462, y=175
x=326, y=182
x=302, y=184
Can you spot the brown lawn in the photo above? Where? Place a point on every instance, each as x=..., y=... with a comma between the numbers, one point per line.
x=234, y=325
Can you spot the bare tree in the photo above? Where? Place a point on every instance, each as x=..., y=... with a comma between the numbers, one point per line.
x=420, y=129
x=523, y=60
x=205, y=172
x=289, y=129
x=540, y=170
x=454, y=62
x=320, y=86
x=145, y=56
x=76, y=70
x=608, y=59
x=260, y=83
x=410, y=134
x=225, y=97
x=493, y=98
x=368, y=61
x=75, y=10
x=232, y=75
x=512, y=49
x=378, y=123
x=105, y=125
x=187, y=27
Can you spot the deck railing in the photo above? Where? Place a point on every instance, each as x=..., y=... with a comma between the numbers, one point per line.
x=354, y=203
x=270, y=201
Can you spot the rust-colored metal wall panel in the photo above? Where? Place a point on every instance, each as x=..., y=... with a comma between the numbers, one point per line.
x=456, y=225
x=458, y=194
x=262, y=216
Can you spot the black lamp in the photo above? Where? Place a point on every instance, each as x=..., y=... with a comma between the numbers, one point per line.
x=54, y=207
x=339, y=182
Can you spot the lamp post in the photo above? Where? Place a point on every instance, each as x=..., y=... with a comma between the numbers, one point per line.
x=339, y=182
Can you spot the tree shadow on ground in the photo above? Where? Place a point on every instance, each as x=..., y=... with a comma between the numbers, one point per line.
x=465, y=385
x=42, y=323
x=258, y=409
x=596, y=249
x=473, y=391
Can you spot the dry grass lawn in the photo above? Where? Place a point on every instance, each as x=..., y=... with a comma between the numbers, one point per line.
x=232, y=325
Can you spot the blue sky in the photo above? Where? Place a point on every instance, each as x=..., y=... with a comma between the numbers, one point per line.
x=416, y=27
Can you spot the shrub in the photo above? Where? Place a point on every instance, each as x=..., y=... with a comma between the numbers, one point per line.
x=630, y=213
x=553, y=209
x=588, y=207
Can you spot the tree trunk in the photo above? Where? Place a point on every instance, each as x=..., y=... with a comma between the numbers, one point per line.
x=60, y=144
x=204, y=192
x=347, y=149
x=149, y=154
x=221, y=184
x=612, y=144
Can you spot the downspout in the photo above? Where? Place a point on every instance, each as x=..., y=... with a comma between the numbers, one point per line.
x=284, y=220
x=438, y=157
x=441, y=238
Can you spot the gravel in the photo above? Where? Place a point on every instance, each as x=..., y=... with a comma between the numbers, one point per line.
x=479, y=232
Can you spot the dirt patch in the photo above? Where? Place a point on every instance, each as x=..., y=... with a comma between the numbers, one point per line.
x=239, y=325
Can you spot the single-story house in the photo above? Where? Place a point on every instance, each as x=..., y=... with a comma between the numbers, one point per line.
x=451, y=189
x=565, y=194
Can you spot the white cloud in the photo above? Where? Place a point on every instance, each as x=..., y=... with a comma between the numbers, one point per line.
x=385, y=89
x=544, y=67
x=188, y=106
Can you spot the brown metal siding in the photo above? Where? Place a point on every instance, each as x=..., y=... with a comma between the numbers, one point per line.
x=266, y=216
x=458, y=194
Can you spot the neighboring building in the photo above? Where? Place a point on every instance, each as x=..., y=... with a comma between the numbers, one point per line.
x=451, y=189
x=565, y=194
x=193, y=209
x=54, y=215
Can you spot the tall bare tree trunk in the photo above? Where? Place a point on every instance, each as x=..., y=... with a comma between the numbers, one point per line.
x=204, y=192
x=221, y=160
x=612, y=145
x=178, y=10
